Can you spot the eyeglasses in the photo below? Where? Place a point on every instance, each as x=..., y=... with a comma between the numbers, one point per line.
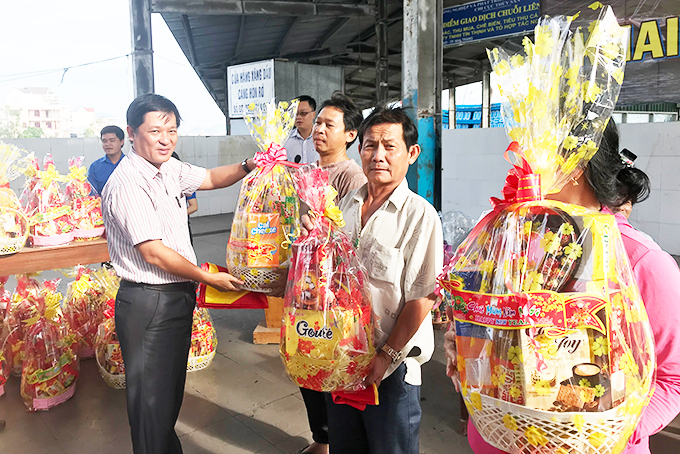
x=303, y=114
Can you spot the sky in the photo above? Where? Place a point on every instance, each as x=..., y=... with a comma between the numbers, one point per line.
x=51, y=35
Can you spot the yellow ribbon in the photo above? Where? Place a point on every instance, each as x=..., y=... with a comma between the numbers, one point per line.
x=77, y=173
x=49, y=175
x=331, y=210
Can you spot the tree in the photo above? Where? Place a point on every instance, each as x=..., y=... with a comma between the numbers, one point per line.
x=32, y=133
x=9, y=123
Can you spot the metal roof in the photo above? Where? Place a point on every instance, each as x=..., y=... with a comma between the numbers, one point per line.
x=215, y=34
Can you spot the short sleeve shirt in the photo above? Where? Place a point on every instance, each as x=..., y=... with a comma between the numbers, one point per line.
x=141, y=202
x=100, y=171
x=401, y=246
x=304, y=148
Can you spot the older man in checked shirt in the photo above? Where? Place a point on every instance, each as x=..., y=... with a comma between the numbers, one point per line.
x=144, y=208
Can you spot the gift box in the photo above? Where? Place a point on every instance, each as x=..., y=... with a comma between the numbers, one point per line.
x=266, y=219
x=203, y=341
x=327, y=327
x=567, y=356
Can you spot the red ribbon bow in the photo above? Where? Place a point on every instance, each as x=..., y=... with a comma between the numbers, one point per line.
x=275, y=154
x=521, y=184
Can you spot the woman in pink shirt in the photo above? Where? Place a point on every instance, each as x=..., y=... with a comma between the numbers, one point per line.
x=609, y=182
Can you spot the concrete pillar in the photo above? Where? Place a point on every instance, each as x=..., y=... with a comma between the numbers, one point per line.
x=142, y=50
x=421, y=91
x=486, y=97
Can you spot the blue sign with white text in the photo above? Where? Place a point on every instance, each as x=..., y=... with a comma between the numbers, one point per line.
x=487, y=19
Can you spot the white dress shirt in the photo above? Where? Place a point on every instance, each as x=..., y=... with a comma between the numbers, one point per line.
x=304, y=148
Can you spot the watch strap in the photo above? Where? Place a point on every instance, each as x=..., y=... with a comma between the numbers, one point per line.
x=244, y=165
x=395, y=355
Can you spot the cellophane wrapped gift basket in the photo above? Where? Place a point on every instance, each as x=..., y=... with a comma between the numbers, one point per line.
x=555, y=351
x=327, y=327
x=84, y=309
x=13, y=223
x=266, y=219
x=46, y=206
x=107, y=350
x=203, y=341
x=86, y=216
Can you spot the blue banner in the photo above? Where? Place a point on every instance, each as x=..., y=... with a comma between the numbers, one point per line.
x=487, y=19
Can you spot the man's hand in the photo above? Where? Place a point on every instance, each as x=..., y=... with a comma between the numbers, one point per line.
x=278, y=287
x=306, y=225
x=379, y=365
x=451, y=358
x=224, y=282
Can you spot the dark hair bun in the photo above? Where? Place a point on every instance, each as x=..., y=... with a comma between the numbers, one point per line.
x=633, y=185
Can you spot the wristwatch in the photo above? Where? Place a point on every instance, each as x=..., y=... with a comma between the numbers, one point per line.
x=392, y=353
x=244, y=164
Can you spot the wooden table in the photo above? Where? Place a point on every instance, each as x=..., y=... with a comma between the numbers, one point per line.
x=30, y=259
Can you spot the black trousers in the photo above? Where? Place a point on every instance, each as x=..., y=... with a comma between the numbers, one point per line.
x=153, y=324
x=315, y=403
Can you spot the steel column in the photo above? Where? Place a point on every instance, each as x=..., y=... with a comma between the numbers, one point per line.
x=422, y=60
x=486, y=97
x=452, y=106
x=142, y=49
x=381, y=53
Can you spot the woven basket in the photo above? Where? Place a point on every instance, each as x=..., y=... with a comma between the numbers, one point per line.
x=598, y=433
x=255, y=278
x=114, y=381
x=13, y=245
x=196, y=363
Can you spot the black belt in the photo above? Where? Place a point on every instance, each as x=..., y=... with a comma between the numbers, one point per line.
x=188, y=286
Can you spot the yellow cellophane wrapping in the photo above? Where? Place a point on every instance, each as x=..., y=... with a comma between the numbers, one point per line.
x=555, y=350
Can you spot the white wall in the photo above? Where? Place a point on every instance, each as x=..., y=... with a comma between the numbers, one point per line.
x=203, y=151
x=473, y=169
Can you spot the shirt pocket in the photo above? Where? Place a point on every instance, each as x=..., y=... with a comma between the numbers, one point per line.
x=385, y=263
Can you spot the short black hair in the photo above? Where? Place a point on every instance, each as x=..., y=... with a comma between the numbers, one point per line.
x=112, y=130
x=383, y=114
x=614, y=181
x=311, y=101
x=149, y=102
x=351, y=113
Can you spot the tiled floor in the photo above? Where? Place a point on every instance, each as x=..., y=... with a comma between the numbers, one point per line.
x=243, y=403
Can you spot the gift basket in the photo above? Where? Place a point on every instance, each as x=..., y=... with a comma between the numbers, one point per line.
x=13, y=223
x=86, y=217
x=51, y=366
x=107, y=350
x=203, y=341
x=554, y=349
x=5, y=298
x=26, y=304
x=266, y=219
x=46, y=206
x=83, y=310
x=327, y=327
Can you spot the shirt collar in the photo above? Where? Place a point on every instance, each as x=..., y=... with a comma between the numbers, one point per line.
x=144, y=167
x=106, y=158
x=297, y=135
x=397, y=198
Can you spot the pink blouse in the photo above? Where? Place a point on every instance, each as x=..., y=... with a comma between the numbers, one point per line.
x=658, y=278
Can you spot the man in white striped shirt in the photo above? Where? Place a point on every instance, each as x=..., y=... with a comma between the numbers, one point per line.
x=144, y=209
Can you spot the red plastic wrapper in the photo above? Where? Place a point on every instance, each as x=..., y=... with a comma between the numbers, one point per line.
x=87, y=220
x=5, y=298
x=28, y=302
x=51, y=365
x=107, y=350
x=84, y=309
x=327, y=329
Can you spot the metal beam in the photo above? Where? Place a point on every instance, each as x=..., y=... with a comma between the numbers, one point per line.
x=142, y=49
x=190, y=41
x=367, y=34
x=285, y=37
x=486, y=97
x=370, y=84
x=239, y=40
x=333, y=30
x=271, y=7
x=381, y=52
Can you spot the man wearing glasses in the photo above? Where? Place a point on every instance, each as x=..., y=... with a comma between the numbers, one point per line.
x=300, y=145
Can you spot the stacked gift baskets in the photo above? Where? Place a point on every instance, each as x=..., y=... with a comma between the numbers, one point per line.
x=554, y=349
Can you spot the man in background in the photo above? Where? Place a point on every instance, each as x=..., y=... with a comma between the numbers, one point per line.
x=299, y=145
x=113, y=139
